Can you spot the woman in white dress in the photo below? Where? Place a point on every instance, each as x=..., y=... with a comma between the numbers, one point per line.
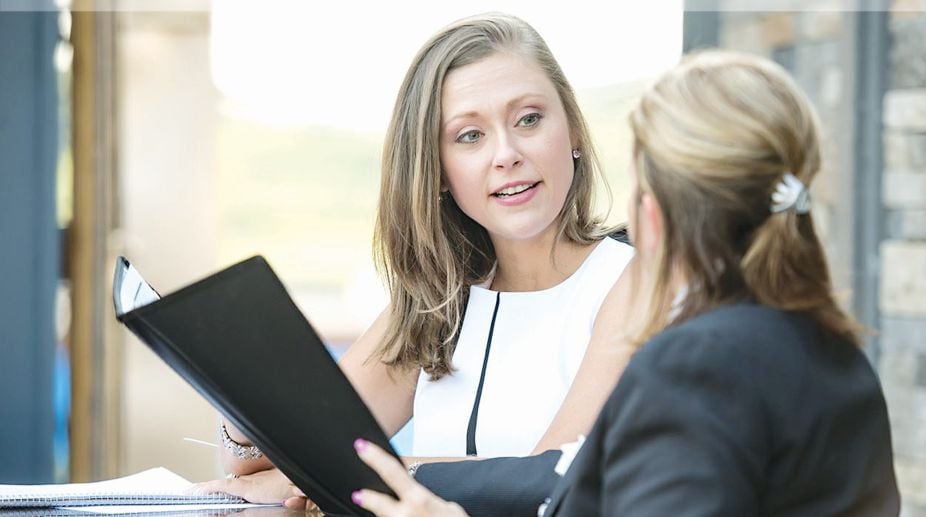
x=503, y=283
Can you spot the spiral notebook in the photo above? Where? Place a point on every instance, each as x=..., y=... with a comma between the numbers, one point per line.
x=153, y=487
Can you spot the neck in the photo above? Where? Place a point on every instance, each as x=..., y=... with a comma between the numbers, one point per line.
x=678, y=280
x=528, y=265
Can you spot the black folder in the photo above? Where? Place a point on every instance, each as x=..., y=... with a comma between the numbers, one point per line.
x=241, y=342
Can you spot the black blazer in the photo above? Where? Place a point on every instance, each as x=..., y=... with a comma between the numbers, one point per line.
x=742, y=411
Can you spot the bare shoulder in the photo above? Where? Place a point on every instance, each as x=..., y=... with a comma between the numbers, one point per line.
x=362, y=358
x=368, y=342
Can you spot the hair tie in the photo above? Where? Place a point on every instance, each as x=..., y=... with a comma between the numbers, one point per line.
x=791, y=194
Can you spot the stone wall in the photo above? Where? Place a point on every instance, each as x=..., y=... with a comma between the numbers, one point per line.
x=814, y=48
x=903, y=254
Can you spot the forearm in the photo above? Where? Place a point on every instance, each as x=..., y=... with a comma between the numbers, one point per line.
x=597, y=376
x=491, y=487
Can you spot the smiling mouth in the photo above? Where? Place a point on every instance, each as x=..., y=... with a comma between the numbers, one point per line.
x=513, y=191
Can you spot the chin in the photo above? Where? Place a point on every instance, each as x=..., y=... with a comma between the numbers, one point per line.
x=525, y=232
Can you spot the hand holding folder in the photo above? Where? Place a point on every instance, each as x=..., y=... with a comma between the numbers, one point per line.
x=241, y=342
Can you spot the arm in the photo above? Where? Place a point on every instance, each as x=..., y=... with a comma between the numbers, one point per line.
x=494, y=487
x=685, y=434
x=607, y=354
x=516, y=487
x=413, y=499
x=389, y=393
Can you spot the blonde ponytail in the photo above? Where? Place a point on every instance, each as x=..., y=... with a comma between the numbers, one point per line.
x=713, y=140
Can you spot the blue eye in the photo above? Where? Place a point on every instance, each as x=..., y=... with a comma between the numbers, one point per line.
x=530, y=120
x=470, y=137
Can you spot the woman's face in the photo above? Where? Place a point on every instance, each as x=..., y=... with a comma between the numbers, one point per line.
x=505, y=146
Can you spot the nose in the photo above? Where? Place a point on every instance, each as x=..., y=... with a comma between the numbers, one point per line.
x=507, y=154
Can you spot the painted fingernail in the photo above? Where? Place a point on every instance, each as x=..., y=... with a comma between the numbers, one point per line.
x=355, y=497
x=360, y=444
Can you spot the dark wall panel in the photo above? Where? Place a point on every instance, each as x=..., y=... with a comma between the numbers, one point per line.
x=28, y=244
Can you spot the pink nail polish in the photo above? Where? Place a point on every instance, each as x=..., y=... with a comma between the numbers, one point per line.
x=355, y=497
x=360, y=444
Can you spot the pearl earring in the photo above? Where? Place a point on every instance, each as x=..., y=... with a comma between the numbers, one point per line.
x=576, y=154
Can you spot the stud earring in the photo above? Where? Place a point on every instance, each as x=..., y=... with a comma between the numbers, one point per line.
x=576, y=154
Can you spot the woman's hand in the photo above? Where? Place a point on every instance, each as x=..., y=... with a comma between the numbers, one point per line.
x=414, y=499
x=264, y=487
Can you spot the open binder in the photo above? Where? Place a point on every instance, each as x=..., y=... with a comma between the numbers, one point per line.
x=241, y=342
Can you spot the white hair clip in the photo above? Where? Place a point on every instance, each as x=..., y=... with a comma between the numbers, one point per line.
x=791, y=194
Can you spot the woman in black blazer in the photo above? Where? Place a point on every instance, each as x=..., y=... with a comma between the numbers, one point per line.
x=749, y=394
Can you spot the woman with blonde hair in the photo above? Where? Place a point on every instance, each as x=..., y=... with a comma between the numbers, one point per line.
x=750, y=395
x=503, y=283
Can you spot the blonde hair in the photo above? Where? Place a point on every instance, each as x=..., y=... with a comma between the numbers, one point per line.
x=427, y=249
x=712, y=139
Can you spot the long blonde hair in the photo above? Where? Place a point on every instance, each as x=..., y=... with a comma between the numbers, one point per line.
x=427, y=249
x=712, y=140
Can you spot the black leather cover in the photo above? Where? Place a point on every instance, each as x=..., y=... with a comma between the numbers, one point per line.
x=239, y=340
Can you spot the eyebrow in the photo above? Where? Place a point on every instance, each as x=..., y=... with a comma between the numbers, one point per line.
x=517, y=100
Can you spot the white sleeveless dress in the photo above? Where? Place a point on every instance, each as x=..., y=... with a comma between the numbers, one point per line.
x=538, y=341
